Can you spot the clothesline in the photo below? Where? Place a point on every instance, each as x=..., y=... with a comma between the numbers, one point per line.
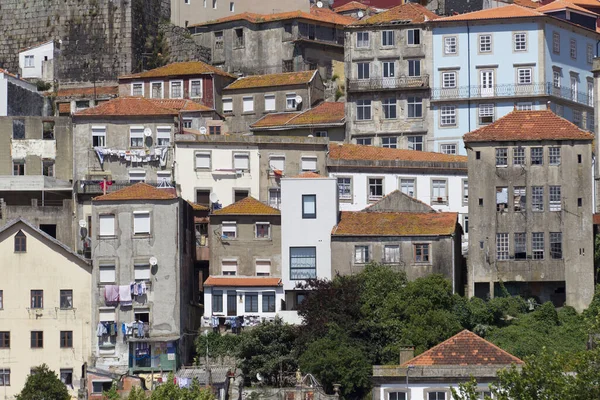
x=137, y=156
x=123, y=293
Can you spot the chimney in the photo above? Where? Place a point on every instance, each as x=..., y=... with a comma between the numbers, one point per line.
x=406, y=353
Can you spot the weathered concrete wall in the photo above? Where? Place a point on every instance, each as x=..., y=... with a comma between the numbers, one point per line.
x=399, y=202
x=335, y=134
x=181, y=44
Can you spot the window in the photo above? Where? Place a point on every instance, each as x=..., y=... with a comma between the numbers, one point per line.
x=362, y=39
x=263, y=267
x=48, y=130
x=361, y=254
x=438, y=191
x=66, y=299
x=466, y=223
x=290, y=101
x=66, y=339
x=231, y=6
x=218, y=40
x=275, y=197
x=141, y=222
x=501, y=198
x=251, y=302
x=590, y=93
x=537, y=198
x=239, y=37
x=18, y=167
x=263, y=230
x=415, y=143
x=537, y=155
x=537, y=245
x=107, y=273
x=202, y=160
x=241, y=161
x=344, y=188
x=364, y=141
x=156, y=90
x=450, y=45
x=436, y=396
x=37, y=339
x=137, y=89
x=363, y=110
x=214, y=4
x=375, y=188
x=303, y=263
x=176, y=89
x=415, y=107
x=362, y=70
x=414, y=67
x=268, y=302
x=520, y=240
x=195, y=88
x=389, y=142
x=277, y=163
x=524, y=76
x=387, y=38
x=4, y=377
x=106, y=225
x=229, y=267
x=448, y=115
x=48, y=168
x=519, y=198
x=308, y=163
x=501, y=246
x=391, y=254
x=556, y=245
x=309, y=206
x=413, y=37
x=556, y=42
x=520, y=41
x=577, y=117
x=100, y=387
x=574, y=88
x=501, y=157
x=554, y=198
x=4, y=340
x=269, y=102
x=287, y=65
x=229, y=229
x=98, y=136
x=589, y=56
x=18, y=129
x=321, y=134
x=422, y=252
x=214, y=130
x=448, y=80
x=525, y=106
x=227, y=105
x=448, y=148
x=137, y=176
x=66, y=376
x=407, y=186
x=20, y=242
x=248, y=104
x=518, y=156
x=554, y=155
x=486, y=114
x=136, y=137
x=37, y=299
x=485, y=43
x=29, y=62
x=82, y=105
x=573, y=49
x=163, y=136
x=217, y=301
x=556, y=79
x=389, y=108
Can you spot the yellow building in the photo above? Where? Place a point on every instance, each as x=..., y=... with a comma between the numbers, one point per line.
x=45, y=308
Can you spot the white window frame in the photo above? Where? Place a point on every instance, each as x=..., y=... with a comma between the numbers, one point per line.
x=556, y=42
x=524, y=76
x=201, y=88
x=485, y=43
x=449, y=80
x=276, y=161
x=141, y=272
x=449, y=148
x=138, y=175
x=439, y=191
x=486, y=114
x=241, y=156
x=163, y=133
x=162, y=90
x=106, y=228
x=573, y=48
x=107, y=272
x=100, y=132
x=29, y=61
x=450, y=48
x=229, y=266
x=554, y=198
x=556, y=79
x=362, y=254
x=180, y=81
x=414, y=144
x=387, y=36
x=520, y=41
x=136, y=132
x=262, y=267
x=270, y=103
x=203, y=155
x=268, y=224
x=342, y=195
x=133, y=90
x=245, y=103
x=405, y=184
x=502, y=249
x=164, y=177
x=142, y=223
x=448, y=115
x=229, y=227
x=408, y=37
x=227, y=104
x=361, y=43
x=525, y=106
x=290, y=101
x=365, y=105
x=308, y=161
x=363, y=70
x=589, y=54
x=375, y=197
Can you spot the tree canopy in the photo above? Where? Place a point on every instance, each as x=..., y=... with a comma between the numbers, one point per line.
x=43, y=384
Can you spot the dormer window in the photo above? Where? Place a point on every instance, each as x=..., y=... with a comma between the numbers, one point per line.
x=20, y=242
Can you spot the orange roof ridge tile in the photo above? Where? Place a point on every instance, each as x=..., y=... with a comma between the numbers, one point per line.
x=395, y=223
x=352, y=5
x=87, y=91
x=270, y=80
x=139, y=191
x=508, y=11
x=562, y=4
x=411, y=12
x=247, y=206
x=372, y=153
x=179, y=69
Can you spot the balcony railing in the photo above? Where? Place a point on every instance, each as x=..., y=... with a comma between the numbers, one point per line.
x=318, y=37
x=511, y=90
x=95, y=186
x=400, y=82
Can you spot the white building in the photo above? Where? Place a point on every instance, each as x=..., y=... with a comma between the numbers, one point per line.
x=309, y=211
x=37, y=62
x=223, y=165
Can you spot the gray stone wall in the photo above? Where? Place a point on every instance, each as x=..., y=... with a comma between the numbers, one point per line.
x=22, y=101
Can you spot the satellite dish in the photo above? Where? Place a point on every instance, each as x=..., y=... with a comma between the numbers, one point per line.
x=82, y=223
x=203, y=130
x=319, y=4
x=360, y=14
x=298, y=99
x=147, y=132
x=259, y=377
x=153, y=261
x=213, y=197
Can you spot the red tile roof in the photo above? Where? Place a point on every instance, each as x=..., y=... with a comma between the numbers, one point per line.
x=139, y=191
x=181, y=105
x=88, y=91
x=316, y=14
x=198, y=207
x=409, y=12
x=351, y=6
x=557, y=5
x=526, y=126
x=596, y=219
x=139, y=106
x=372, y=153
x=309, y=175
x=588, y=3
x=326, y=113
x=242, y=281
x=363, y=223
x=64, y=108
x=247, y=206
x=179, y=69
x=283, y=79
x=509, y=11
x=527, y=3
x=463, y=349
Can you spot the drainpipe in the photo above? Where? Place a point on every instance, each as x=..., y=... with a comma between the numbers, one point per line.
x=453, y=236
x=469, y=75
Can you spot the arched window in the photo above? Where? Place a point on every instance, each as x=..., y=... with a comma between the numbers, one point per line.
x=20, y=242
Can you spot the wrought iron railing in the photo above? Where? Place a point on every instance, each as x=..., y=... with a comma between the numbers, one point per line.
x=399, y=82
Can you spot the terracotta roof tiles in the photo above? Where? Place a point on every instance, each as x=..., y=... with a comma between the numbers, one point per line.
x=64, y=108
x=509, y=11
x=372, y=153
x=250, y=281
x=309, y=175
x=408, y=12
x=283, y=79
x=463, y=349
x=88, y=91
x=353, y=5
x=324, y=114
x=181, y=105
x=557, y=5
x=362, y=223
x=179, y=69
x=526, y=126
x=247, y=206
x=274, y=119
x=527, y=3
x=139, y=106
x=139, y=191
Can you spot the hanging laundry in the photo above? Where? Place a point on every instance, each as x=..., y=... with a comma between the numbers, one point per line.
x=101, y=329
x=184, y=382
x=111, y=294
x=143, y=287
x=140, y=329
x=104, y=184
x=98, y=151
x=125, y=295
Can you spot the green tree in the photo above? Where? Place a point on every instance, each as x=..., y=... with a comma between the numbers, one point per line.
x=112, y=393
x=170, y=391
x=43, y=384
x=218, y=345
x=137, y=393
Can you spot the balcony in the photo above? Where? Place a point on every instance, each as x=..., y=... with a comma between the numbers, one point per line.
x=511, y=90
x=379, y=84
x=95, y=186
